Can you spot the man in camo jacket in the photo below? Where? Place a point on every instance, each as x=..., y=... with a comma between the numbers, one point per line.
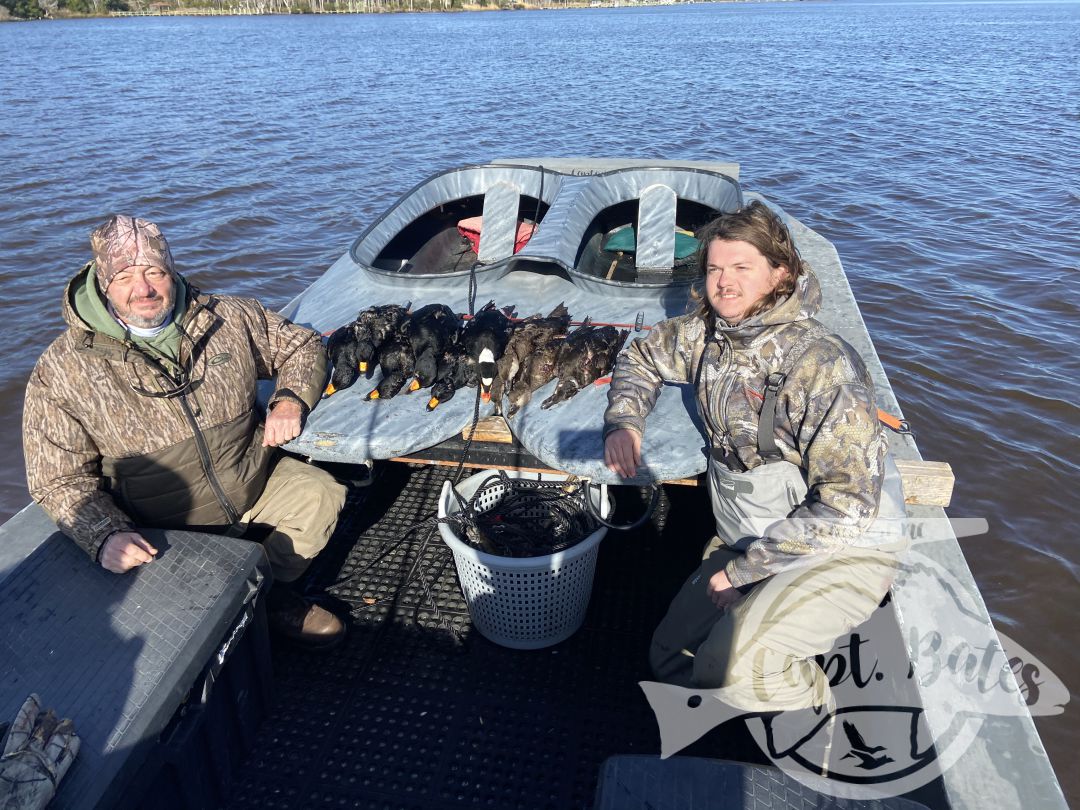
x=807, y=508
x=143, y=413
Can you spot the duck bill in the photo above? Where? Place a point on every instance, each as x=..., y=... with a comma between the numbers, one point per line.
x=374, y=394
x=330, y=389
x=362, y=365
x=414, y=386
x=485, y=396
x=433, y=403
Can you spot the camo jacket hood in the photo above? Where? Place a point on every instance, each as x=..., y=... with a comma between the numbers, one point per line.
x=114, y=439
x=826, y=417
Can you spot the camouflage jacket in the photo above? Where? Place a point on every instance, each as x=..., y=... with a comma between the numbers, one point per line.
x=826, y=418
x=113, y=441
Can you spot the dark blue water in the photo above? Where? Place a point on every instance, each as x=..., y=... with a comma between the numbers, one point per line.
x=936, y=144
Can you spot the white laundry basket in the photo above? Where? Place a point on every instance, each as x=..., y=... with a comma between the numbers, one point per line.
x=523, y=602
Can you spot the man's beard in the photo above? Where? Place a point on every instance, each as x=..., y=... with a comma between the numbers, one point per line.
x=148, y=322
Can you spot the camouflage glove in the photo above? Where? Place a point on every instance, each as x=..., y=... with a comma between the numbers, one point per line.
x=38, y=752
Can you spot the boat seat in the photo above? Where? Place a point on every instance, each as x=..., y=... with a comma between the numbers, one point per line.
x=556, y=237
x=656, y=229
x=160, y=668
x=500, y=222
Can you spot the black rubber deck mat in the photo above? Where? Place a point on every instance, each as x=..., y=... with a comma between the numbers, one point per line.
x=418, y=710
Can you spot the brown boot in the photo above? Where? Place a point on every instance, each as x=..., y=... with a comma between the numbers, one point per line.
x=303, y=622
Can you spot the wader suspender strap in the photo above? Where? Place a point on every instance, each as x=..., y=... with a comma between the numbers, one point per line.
x=766, y=428
x=766, y=434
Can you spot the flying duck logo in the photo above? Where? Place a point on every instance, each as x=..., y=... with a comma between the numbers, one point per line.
x=904, y=704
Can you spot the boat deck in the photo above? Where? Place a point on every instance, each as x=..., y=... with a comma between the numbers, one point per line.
x=417, y=710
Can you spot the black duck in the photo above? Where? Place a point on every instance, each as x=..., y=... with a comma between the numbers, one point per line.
x=456, y=370
x=341, y=347
x=397, y=362
x=373, y=327
x=430, y=331
x=484, y=338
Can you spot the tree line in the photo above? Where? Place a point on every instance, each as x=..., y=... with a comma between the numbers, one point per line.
x=38, y=9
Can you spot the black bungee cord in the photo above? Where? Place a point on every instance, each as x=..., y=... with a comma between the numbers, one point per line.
x=654, y=499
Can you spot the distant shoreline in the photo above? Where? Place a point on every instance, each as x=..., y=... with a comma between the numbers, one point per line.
x=264, y=8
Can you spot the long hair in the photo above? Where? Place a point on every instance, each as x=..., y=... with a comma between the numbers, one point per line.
x=756, y=225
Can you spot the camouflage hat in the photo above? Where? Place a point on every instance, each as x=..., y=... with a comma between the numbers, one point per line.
x=124, y=241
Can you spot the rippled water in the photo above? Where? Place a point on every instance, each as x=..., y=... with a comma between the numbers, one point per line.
x=936, y=144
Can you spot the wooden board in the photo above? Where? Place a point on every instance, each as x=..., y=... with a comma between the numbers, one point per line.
x=490, y=429
x=927, y=483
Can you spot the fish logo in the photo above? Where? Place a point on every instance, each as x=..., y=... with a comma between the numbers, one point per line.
x=904, y=704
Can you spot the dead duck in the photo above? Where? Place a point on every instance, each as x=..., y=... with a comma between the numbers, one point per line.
x=430, y=331
x=608, y=351
x=397, y=362
x=456, y=370
x=541, y=366
x=341, y=347
x=525, y=339
x=584, y=358
x=373, y=327
x=573, y=349
x=484, y=339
